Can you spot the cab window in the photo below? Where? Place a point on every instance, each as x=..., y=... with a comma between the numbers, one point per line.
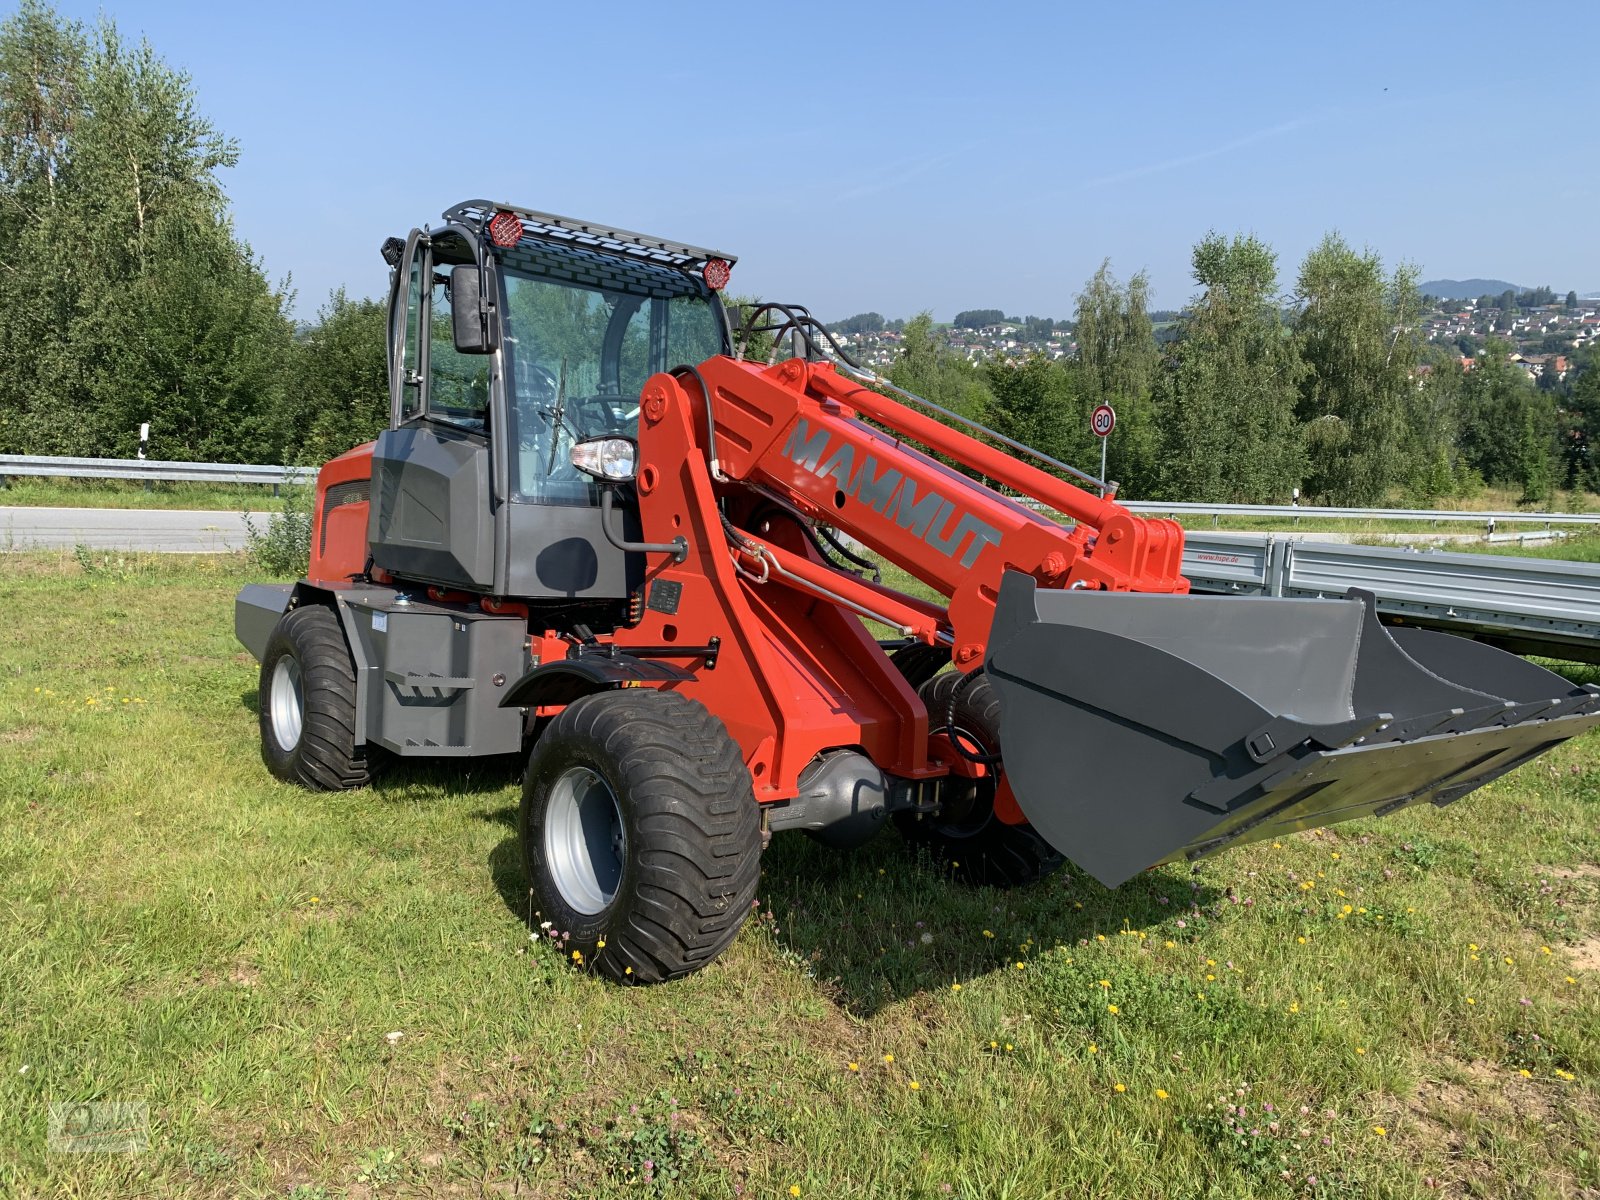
x=577, y=358
x=458, y=384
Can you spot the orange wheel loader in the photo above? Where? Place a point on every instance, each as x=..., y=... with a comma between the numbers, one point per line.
x=597, y=534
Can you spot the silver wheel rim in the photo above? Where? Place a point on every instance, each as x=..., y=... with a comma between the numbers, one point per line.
x=584, y=842
x=286, y=703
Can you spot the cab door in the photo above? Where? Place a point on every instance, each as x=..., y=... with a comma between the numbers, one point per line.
x=431, y=518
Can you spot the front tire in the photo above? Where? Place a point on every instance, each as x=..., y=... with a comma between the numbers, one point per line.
x=307, y=702
x=966, y=838
x=640, y=834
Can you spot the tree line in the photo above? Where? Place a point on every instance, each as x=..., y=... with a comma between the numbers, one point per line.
x=1251, y=395
x=126, y=295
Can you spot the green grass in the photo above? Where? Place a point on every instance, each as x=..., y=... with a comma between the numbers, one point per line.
x=1578, y=547
x=186, y=932
x=28, y=492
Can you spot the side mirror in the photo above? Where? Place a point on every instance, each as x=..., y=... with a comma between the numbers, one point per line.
x=470, y=316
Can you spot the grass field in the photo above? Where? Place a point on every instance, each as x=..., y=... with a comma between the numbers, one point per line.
x=337, y=995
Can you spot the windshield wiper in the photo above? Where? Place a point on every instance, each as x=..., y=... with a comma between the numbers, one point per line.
x=561, y=409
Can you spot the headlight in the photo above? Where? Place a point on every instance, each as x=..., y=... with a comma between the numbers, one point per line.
x=608, y=458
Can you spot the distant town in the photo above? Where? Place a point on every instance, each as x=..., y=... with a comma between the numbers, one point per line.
x=1544, y=329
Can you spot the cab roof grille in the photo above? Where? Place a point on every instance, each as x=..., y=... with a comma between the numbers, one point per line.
x=566, y=230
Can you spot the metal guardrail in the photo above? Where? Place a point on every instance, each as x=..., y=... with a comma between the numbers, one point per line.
x=136, y=468
x=1527, y=605
x=1438, y=516
x=1531, y=606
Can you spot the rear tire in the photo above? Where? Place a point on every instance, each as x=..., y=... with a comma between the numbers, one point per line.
x=966, y=838
x=641, y=838
x=307, y=702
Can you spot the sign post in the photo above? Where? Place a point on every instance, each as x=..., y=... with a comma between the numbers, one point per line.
x=1101, y=422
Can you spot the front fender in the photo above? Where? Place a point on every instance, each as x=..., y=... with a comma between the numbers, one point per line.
x=569, y=679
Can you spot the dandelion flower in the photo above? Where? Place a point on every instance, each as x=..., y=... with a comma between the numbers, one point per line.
x=1525, y=1073
x=1120, y=1087
x=1099, y=937
x=1300, y=941
x=955, y=987
x=1093, y=1049
x=1470, y=1000
x=1570, y=979
x=1544, y=949
x=1509, y=960
x=1022, y=966
x=1112, y=1009
x=577, y=956
x=988, y=933
x=914, y=1085
x=1380, y=1131
x=888, y=1058
x=1472, y=945
x=1361, y=1049
x=1105, y=983
x=1161, y=1093
x=1009, y=1047
x=1169, y=945
x=1334, y=856
x=627, y=970
x=600, y=945
x=794, y=1189
x=1295, y=1007
x=853, y=1066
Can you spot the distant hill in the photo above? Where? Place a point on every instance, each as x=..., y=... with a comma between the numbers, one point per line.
x=1466, y=289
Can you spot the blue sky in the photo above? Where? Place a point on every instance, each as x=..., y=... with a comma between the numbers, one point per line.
x=901, y=157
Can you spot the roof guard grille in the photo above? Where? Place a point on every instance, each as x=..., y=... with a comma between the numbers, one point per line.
x=566, y=230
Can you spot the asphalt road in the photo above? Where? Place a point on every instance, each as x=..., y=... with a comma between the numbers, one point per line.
x=181, y=531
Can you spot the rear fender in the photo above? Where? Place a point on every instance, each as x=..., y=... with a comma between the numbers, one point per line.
x=367, y=675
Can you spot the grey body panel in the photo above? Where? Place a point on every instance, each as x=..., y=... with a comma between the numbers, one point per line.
x=1136, y=729
x=425, y=673
x=256, y=612
x=554, y=551
x=430, y=515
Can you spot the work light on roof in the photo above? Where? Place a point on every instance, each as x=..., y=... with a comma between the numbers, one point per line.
x=505, y=229
x=716, y=273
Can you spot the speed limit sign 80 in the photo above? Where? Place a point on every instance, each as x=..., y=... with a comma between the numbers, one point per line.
x=1103, y=420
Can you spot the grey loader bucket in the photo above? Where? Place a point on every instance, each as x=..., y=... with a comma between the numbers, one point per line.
x=1135, y=728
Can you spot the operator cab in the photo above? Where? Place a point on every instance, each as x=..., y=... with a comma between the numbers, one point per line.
x=506, y=349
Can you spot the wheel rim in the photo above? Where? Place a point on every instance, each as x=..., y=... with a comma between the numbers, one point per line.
x=286, y=702
x=584, y=841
